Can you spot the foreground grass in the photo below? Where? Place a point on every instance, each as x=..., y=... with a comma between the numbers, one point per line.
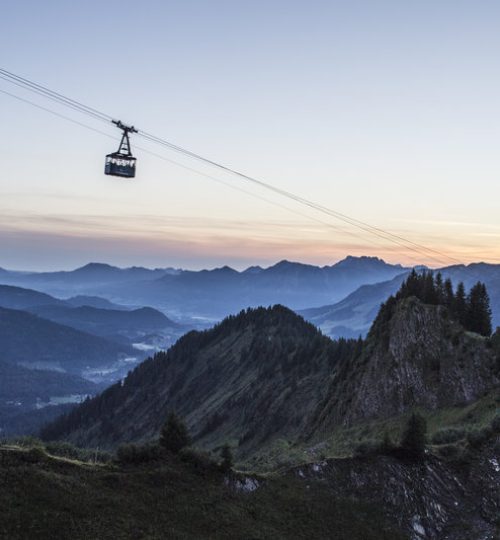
x=46, y=497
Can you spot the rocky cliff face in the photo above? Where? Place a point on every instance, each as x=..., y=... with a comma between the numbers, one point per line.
x=434, y=499
x=419, y=358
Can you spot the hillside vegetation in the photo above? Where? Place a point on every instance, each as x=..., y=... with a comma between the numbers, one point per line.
x=46, y=497
x=268, y=383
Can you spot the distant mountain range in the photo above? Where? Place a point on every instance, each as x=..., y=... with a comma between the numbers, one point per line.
x=94, y=315
x=31, y=341
x=213, y=294
x=64, y=343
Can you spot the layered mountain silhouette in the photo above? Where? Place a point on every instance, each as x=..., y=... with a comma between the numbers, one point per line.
x=214, y=293
x=266, y=374
x=35, y=342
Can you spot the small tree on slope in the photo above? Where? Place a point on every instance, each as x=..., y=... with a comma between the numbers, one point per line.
x=227, y=458
x=174, y=434
x=415, y=436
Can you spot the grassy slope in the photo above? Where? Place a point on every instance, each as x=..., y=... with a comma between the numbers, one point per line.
x=45, y=497
x=342, y=442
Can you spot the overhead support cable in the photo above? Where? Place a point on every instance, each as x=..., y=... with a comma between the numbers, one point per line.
x=60, y=99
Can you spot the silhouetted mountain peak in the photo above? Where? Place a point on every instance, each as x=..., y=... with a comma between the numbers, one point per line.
x=96, y=267
x=364, y=262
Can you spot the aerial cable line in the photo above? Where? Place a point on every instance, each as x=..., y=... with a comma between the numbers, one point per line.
x=7, y=75
x=402, y=242
x=352, y=221
x=80, y=107
x=200, y=173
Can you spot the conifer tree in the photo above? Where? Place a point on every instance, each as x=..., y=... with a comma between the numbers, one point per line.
x=448, y=295
x=174, y=434
x=460, y=304
x=429, y=294
x=440, y=293
x=227, y=458
x=478, y=317
x=415, y=436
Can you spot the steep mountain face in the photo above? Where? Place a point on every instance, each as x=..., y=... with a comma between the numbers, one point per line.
x=418, y=358
x=353, y=316
x=35, y=342
x=267, y=375
x=252, y=379
x=437, y=499
x=19, y=298
x=108, y=322
x=24, y=391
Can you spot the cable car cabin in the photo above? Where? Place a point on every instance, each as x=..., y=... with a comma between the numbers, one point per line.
x=120, y=165
x=122, y=162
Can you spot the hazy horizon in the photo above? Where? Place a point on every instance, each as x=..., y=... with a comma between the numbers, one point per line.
x=48, y=267
x=383, y=111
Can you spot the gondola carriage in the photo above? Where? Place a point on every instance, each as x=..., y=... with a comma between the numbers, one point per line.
x=122, y=163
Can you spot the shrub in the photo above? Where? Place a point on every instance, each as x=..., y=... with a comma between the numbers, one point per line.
x=448, y=435
x=200, y=462
x=63, y=449
x=227, y=458
x=367, y=447
x=174, y=434
x=387, y=445
x=448, y=450
x=135, y=454
x=495, y=424
x=34, y=455
x=477, y=437
x=26, y=441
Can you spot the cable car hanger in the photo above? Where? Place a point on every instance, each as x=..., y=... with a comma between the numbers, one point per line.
x=122, y=163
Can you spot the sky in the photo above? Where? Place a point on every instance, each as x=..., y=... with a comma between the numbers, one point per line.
x=385, y=111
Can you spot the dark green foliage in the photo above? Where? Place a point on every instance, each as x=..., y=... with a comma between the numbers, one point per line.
x=472, y=311
x=415, y=436
x=478, y=315
x=448, y=295
x=52, y=499
x=258, y=361
x=367, y=447
x=135, y=454
x=227, y=458
x=495, y=424
x=387, y=445
x=448, y=450
x=448, y=435
x=174, y=434
x=200, y=462
x=459, y=304
x=60, y=449
x=477, y=437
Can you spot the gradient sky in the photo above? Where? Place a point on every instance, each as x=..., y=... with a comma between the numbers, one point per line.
x=387, y=111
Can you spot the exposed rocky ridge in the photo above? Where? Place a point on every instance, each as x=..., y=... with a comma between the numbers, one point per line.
x=434, y=499
x=419, y=358
x=267, y=375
